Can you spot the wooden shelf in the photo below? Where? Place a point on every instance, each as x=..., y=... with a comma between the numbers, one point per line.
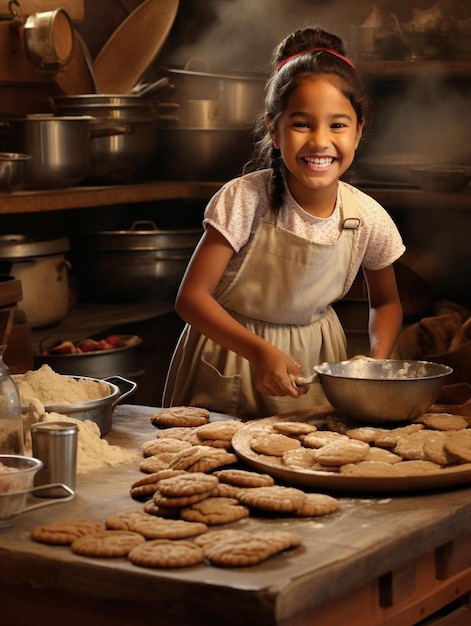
x=35, y=201
x=84, y=197
x=418, y=199
x=400, y=70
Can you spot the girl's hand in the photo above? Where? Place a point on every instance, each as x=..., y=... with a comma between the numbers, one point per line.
x=276, y=374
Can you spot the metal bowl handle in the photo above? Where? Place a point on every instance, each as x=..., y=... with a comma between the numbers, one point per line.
x=126, y=387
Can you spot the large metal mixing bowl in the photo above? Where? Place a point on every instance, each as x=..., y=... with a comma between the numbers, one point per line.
x=382, y=391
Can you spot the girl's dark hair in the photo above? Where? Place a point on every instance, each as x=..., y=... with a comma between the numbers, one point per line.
x=283, y=81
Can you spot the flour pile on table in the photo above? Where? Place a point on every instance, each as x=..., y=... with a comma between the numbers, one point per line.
x=93, y=452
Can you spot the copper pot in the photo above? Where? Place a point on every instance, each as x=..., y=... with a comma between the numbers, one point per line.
x=49, y=39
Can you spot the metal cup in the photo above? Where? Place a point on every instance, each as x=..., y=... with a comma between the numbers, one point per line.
x=55, y=444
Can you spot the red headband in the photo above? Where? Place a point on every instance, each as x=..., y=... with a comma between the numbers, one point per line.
x=294, y=56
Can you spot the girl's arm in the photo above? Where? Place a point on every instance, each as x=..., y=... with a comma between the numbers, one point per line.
x=385, y=319
x=196, y=305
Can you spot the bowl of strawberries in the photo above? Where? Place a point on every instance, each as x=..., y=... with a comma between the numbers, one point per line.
x=98, y=357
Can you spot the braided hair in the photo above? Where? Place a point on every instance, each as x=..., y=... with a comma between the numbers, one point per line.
x=306, y=51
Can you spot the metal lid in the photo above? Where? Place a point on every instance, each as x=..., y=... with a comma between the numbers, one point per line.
x=21, y=246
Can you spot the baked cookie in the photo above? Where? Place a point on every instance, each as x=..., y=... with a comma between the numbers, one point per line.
x=277, y=498
x=224, y=490
x=390, y=438
x=215, y=510
x=274, y=444
x=124, y=520
x=303, y=458
x=434, y=448
x=382, y=454
x=317, y=504
x=294, y=429
x=280, y=540
x=321, y=438
x=107, y=543
x=367, y=469
x=368, y=434
x=215, y=536
x=444, y=421
x=188, y=484
x=152, y=508
x=188, y=416
x=244, y=478
x=341, y=452
x=414, y=467
x=166, y=553
x=65, y=532
x=411, y=447
x=145, y=487
x=458, y=445
x=157, y=462
x=153, y=527
x=203, y=459
x=164, y=444
x=223, y=430
x=232, y=552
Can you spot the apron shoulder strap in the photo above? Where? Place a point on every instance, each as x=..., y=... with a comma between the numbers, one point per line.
x=350, y=218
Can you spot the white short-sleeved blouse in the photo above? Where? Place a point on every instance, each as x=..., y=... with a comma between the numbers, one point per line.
x=236, y=209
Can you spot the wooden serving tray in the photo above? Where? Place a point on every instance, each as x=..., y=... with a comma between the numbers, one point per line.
x=332, y=481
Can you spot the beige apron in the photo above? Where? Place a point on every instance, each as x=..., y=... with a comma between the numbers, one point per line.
x=282, y=293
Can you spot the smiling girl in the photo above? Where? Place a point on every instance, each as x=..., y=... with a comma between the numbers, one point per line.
x=282, y=243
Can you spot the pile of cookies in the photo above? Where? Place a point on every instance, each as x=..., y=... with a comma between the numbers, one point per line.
x=335, y=444
x=192, y=482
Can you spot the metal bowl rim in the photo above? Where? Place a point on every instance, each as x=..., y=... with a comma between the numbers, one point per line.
x=442, y=370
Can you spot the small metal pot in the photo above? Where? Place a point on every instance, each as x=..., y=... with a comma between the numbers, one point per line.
x=241, y=96
x=142, y=264
x=124, y=158
x=41, y=267
x=215, y=154
x=13, y=170
x=101, y=410
x=60, y=147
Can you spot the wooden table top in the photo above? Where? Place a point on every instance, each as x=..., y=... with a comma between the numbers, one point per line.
x=368, y=537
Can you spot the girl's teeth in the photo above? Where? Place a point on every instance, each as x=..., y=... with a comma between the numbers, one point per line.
x=319, y=162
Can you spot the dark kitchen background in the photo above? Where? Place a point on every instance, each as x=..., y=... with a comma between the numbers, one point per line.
x=131, y=230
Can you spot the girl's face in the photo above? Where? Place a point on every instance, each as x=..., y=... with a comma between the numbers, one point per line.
x=317, y=135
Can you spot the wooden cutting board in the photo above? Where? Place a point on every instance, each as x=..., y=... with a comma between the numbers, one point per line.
x=134, y=45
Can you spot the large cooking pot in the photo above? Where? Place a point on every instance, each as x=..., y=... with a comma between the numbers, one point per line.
x=42, y=268
x=124, y=158
x=60, y=147
x=215, y=154
x=380, y=391
x=241, y=95
x=142, y=264
x=104, y=105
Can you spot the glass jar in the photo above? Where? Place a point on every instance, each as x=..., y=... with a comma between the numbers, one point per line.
x=11, y=419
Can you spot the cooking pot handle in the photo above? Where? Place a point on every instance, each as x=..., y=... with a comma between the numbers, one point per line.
x=126, y=387
x=197, y=60
x=103, y=130
x=138, y=225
